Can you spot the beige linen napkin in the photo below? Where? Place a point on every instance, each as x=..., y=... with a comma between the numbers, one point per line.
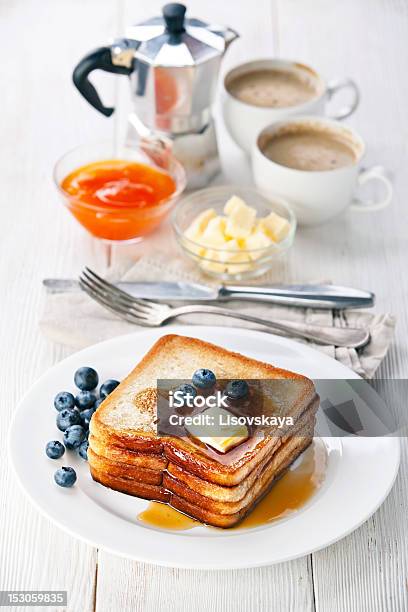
x=74, y=320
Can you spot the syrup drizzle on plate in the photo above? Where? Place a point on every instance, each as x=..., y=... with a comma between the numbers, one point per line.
x=292, y=491
x=166, y=517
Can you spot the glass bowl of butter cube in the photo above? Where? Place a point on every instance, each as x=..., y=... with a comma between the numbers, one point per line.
x=233, y=233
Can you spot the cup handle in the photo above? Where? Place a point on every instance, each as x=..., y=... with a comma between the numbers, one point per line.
x=376, y=173
x=336, y=85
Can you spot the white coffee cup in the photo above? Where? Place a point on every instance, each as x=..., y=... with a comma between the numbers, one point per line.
x=317, y=196
x=245, y=121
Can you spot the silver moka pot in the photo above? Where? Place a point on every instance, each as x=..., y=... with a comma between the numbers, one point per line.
x=173, y=64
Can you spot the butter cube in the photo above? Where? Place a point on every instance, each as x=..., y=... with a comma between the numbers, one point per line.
x=195, y=230
x=275, y=226
x=240, y=220
x=218, y=430
x=258, y=240
x=232, y=203
x=237, y=261
x=233, y=252
x=237, y=268
x=214, y=234
x=214, y=265
x=192, y=237
x=201, y=221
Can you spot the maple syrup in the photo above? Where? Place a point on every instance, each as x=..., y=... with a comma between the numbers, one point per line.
x=290, y=493
x=292, y=490
x=166, y=517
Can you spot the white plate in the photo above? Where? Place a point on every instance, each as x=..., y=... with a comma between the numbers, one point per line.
x=361, y=470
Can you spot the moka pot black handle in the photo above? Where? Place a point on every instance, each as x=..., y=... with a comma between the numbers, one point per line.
x=98, y=59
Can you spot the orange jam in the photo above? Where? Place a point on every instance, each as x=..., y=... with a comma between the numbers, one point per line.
x=118, y=199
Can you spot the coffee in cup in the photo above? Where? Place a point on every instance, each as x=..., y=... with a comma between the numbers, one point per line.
x=274, y=88
x=313, y=163
x=260, y=92
x=312, y=149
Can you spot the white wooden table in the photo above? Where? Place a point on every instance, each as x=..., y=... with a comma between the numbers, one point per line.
x=41, y=116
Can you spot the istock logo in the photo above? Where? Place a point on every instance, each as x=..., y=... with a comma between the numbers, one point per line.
x=180, y=399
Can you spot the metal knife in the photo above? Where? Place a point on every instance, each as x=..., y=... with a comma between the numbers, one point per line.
x=315, y=296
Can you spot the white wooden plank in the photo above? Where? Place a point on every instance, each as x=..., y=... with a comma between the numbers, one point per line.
x=41, y=117
x=129, y=586
x=367, y=570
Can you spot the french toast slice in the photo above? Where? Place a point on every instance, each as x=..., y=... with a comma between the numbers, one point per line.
x=127, y=417
x=151, y=461
x=126, y=454
x=269, y=472
x=236, y=493
x=209, y=515
x=124, y=470
x=130, y=486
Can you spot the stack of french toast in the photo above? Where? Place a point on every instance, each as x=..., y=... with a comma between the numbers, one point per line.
x=127, y=454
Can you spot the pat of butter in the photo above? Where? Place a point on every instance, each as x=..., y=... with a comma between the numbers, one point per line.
x=212, y=263
x=217, y=430
x=240, y=221
x=214, y=234
x=233, y=254
x=192, y=237
x=194, y=232
x=257, y=242
x=275, y=226
x=201, y=221
x=233, y=202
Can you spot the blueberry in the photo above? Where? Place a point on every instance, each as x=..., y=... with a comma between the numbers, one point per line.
x=236, y=389
x=86, y=379
x=186, y=390
x=66, y=418
x=203, y=378
x=98, y=403
x=73, y=436
x=83, y=450
x=86, y=417
x=65, y=477
x=107, y=387
x=54, y=449
x=64, y=400
x=85, y=399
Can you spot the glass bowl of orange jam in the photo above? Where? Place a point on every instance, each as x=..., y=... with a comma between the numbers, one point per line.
x=120, y=194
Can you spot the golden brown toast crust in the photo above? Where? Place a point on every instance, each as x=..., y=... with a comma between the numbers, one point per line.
x=218, y=514
x=181, y=356
x=130, y=486
x=229, y=520
x=124, y=470
x=271, y=469
x=151, y=461
x=237, y=492
x=126, y=454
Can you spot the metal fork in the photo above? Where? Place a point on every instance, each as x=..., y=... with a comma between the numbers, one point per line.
x=151, y=314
